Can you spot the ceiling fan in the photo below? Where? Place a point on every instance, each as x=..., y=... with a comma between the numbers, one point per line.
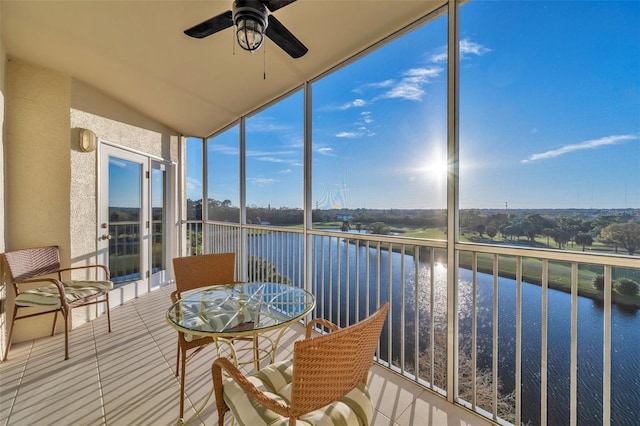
x=252, y=22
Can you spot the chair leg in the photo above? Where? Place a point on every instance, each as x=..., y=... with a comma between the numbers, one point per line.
x=65, y=315
x=183, y=362
x=13, y=321
x=55, y=318
x=256, y=353
x=178, y=360
x=108, y=314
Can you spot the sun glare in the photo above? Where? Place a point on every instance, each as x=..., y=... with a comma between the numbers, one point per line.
x=436, y=168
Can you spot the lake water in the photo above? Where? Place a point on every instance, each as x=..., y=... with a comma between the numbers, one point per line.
x=340, y=262
x=625, y=351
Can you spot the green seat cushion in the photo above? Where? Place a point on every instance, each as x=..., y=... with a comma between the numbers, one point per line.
x=220, y=317
x=355, y=408
x=48, y=296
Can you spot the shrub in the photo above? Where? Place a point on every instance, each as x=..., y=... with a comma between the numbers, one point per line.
x=598, y=282
x=627, y=287
x=379, y=228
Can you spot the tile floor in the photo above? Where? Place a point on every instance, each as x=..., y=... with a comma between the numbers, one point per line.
x=127, y=377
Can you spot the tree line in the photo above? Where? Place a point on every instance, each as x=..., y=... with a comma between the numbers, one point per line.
x=619, y=230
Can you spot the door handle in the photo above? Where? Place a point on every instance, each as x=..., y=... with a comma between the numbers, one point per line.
x=106, y=237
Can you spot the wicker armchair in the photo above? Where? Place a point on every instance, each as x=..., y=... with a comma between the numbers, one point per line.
x=31, y=266
x=324, y=383
x=191, y=273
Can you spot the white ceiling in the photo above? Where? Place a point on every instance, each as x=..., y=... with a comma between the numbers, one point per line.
x=136, y=51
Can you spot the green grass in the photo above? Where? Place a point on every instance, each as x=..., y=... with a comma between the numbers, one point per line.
x=559, y=272
x=428, y=233
x=559, y=275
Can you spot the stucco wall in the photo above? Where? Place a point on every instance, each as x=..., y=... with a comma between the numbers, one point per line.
x=3, y=288
x=51, y=186
x=3, y=58
x=37, y=166
x=38, y=173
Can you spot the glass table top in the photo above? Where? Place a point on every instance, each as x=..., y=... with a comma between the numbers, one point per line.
x=237, y=309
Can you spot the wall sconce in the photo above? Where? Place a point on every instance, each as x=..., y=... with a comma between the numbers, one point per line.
x=87, y=140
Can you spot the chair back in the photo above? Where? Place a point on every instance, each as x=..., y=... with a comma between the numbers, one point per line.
x=329, y=366
x=205, y=270
x=32, y=262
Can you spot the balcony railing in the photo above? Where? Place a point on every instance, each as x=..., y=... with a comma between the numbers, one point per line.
x=124, y=249
x=527, y=348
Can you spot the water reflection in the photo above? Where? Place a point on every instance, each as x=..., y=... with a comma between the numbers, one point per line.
x=352, y=277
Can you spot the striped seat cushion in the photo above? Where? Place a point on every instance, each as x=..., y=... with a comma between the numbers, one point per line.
x=223, y=317
x=355, y=408
x=48, y=296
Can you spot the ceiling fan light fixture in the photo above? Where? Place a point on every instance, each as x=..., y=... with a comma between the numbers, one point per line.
x=249, y=33
x=250, y=19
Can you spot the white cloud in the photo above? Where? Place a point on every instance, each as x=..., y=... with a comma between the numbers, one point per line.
x=271, y=159
x=440, y=56
x=285, y=156
x=406, y=90
x=193, y=185
x=349, y=135
x=359, y=103
x=411, y=85
x=467, y=48
x=356, y=103
x=422, y=74
x=261, y=181
x=222, y=149
x=381, y=84
x=325, y=150
x=265, y=124
x=269, y=154
x=590, y=144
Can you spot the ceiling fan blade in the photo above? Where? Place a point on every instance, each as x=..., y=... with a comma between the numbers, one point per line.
x=283, y=38
x=211, y=26
x=274, y=5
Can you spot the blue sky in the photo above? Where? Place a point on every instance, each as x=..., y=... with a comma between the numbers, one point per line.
x=124, y=183
x=549, y=118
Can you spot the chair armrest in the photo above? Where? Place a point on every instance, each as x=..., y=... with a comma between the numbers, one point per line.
x=239, y=377
x=321, y=321
x=103, y=267
x=175, y=296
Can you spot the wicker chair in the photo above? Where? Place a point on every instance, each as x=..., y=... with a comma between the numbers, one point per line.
x=191, y=273
x=37, y=265
x=324, y=383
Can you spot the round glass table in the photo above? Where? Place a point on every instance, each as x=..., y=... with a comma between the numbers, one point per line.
x=225, y=312
x=241, y=309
